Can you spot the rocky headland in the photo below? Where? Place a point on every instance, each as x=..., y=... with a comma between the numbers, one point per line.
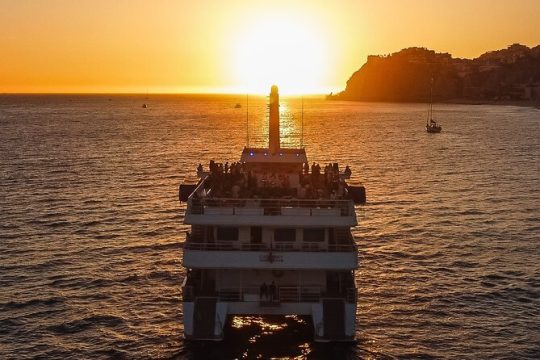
x=510, y=75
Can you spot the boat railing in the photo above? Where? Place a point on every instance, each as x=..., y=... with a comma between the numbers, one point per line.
x=272, y=207
x=230, y=295
x=284, y=294
x=276, y=247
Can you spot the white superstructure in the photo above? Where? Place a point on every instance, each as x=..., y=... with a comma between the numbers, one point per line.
x=269, y=236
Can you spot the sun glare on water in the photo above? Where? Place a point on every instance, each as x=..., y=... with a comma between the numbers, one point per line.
x=279, y=50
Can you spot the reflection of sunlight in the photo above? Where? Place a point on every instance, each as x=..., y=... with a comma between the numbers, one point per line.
x=296, y=318
x=283, y=108
x=292, y=334
x=290, y=126
x=306, y=349
x=286, y=125
x=290, y=112
x=239, y=322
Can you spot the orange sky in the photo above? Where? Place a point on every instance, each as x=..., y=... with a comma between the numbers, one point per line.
x=236, y=45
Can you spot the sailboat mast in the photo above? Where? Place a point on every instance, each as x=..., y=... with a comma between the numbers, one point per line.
x=431, y=100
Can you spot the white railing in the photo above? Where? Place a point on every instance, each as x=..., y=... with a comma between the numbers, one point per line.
x=272, y=207
x=230, y=295
x=284, y=294
x=277, y=247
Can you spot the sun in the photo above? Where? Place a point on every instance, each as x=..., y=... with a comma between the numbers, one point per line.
x=282, y=50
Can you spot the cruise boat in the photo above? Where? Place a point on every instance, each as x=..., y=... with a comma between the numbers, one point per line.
x=270, y=236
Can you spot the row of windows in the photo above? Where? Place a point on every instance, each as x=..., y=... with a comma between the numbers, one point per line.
x=280, y=234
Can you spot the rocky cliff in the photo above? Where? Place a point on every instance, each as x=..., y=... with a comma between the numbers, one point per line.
x=508, y=74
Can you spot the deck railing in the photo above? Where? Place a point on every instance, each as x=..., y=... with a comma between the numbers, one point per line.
x=271, y=207
x=277, y=247
x=283, y=294
x=346, y=243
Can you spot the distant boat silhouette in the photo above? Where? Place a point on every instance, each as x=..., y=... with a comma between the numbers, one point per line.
x=237, y=106
x=144, y=106
x=431, y=125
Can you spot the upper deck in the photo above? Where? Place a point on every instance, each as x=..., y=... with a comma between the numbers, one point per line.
x=272, y=186
x=272, y=189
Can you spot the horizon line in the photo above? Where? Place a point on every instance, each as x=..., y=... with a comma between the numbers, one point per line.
x=160, y=93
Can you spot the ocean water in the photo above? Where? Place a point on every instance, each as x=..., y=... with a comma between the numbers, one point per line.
x=91, y=227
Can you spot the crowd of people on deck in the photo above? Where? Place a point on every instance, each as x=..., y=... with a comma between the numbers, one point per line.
x=233, y=180
x=237, y=180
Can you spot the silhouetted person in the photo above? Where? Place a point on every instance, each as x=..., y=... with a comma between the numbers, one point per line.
x=263, y=291
x=347, y=171
x=200, y=168
x=272, y=289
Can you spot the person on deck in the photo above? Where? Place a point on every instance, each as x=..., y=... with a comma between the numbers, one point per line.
x=272, y=290
x=263, y=291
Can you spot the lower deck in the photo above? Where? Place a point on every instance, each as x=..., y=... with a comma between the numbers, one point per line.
x=278, y=286
x=210, y=296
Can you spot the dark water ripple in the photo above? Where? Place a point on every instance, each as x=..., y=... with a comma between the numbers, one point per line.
x=91, y=229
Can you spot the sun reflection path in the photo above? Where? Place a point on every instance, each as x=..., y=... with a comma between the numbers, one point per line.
x=268, y=336
x=239, y=322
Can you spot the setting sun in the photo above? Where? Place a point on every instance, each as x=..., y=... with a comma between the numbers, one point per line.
x=281, y=50
x=238, y=46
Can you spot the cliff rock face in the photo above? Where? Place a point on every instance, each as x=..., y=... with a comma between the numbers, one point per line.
x=508, y=74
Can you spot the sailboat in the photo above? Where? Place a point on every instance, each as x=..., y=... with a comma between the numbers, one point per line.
x=431, y=125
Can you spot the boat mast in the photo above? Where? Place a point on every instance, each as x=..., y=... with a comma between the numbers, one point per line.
x=247, y=119
x=302, y=135
x=431, y=100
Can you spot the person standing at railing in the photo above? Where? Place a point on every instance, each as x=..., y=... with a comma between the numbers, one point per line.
x=272, y=289
x=347, y=172
x=263, y=292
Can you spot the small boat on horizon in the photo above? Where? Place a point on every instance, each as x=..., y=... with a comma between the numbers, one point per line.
x=433, y=127
x=237, y=106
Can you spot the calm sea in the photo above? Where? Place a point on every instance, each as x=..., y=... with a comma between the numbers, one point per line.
x=91, y=227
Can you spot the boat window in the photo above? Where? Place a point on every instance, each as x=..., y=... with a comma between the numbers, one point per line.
x=285, y=235
x=316, y=234
x=227, y=233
